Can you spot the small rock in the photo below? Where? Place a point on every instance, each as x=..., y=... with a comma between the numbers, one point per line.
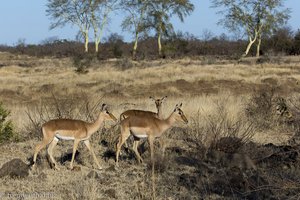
x=111, y=193
x=15, y=168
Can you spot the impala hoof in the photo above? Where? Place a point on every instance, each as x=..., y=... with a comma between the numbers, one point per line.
x=33, y=167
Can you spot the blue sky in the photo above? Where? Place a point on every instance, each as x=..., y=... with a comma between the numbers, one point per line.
x=27, y=20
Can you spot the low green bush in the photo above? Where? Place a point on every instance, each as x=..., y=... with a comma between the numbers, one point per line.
x=7, y=133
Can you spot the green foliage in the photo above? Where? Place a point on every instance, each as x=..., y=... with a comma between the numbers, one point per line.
x=160, y=12
x=6, y=128
x=256, y=18
x=296, y=46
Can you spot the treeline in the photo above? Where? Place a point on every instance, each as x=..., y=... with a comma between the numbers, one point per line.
x=282, y=42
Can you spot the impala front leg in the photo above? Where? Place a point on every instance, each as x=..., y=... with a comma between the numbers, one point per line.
x=76, y=142
x=50, y=152
x=137, y=154
x=151, y=141
x=88, y=145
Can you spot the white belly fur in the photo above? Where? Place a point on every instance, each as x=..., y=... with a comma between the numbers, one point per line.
x=141, y=136
x=62, y=137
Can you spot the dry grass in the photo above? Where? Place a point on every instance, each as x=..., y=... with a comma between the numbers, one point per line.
x=200, y=87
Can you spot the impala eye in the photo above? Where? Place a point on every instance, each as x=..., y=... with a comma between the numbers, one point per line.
x=107, y=112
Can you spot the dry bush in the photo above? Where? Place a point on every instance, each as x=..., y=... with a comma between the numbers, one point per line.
x=82, y=62
x=124, y=63
x=267, y=110
x=228, y=133
x=294, y=121
x=220, y=125
x=259, y=108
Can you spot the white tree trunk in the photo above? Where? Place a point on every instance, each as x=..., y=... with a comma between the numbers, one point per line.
x=248, y=47
x=135, y=45
x=258, y=46
x=251, y=42
x=86, y=41
x=159, y=44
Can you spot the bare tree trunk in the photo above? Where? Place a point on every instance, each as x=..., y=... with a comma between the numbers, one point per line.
x=97, y=42
x=135, y=46
x=251, y=42
x=248, y=48
x=258, y=46
x=159, y=44
x=86, y=42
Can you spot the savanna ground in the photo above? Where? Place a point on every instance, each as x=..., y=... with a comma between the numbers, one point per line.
x=234, y=146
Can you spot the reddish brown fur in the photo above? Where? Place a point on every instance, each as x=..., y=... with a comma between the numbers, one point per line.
x=146, y=126
x=78, y=130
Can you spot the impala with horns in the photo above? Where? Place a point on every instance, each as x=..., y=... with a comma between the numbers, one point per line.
x=69, y=129
x=147, y=127
x=158, y=103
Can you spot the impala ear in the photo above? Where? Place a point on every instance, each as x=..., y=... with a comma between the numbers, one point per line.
x=164, y=98
x=151, y=98
x=104, y=107
x=176, y=107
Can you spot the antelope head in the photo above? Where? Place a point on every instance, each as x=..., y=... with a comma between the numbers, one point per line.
x=179, y=114
x=106, y=114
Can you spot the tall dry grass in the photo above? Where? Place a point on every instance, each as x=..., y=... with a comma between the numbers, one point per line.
x=215, y=99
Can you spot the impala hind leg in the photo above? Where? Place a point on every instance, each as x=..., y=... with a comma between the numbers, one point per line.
x=46, y=140
x=50, y=152
x=151, y=145
x=76, y=142
x=125, y=133
x=137, y=154
x=88, y=145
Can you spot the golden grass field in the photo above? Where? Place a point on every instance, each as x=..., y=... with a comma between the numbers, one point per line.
x=28, y=82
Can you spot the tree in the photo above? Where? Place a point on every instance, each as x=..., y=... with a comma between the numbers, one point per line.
x=253, y=17
x=74, y=12
x=296, y=46
x=99, y=14
x=282, y=40
x=159, y=13
x=135, y=21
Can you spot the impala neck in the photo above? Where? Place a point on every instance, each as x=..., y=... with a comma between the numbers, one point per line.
x=159, y=114
x=169, y=122
x=96, y=125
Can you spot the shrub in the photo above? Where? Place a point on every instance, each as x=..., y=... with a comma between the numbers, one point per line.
x=221, y=129
x=259, y=108
x=82, y=62
x=124, y=63
x=6, y=128
x=267, y=110
x=228, y=133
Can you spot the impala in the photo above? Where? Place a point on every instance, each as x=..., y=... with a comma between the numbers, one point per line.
x=70, y=129
x=158, y=103
x=146, y=127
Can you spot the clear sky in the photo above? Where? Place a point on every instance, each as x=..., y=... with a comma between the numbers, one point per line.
x=20, y=19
